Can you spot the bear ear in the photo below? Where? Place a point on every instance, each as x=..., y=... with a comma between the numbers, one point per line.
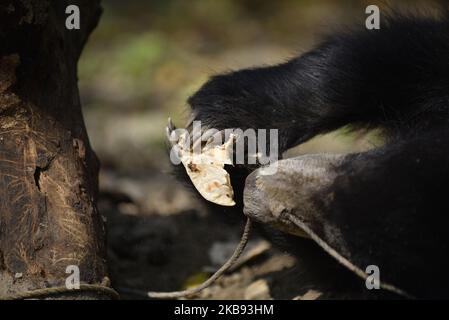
x=294, y=196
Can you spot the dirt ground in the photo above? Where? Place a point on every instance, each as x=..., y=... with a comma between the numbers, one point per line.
x=171, y=248
x=160, y=238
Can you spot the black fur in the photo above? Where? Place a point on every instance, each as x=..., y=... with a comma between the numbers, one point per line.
x=395, y=78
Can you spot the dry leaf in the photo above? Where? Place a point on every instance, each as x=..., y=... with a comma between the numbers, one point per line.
x=206, y=170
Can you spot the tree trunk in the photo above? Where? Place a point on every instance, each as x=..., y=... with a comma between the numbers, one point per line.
x=48, y=172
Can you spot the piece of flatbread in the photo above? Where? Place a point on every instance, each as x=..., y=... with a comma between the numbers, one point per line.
x=206, y=170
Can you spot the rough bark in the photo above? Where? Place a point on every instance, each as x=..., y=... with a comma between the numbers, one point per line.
x=48, y=172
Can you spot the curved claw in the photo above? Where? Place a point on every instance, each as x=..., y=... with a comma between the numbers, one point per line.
x=216, y=139
x=207, y=136
x=190, y=120
x=170, y=133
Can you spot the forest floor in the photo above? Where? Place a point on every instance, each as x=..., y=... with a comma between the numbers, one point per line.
x=160, y=238
x=171, y=248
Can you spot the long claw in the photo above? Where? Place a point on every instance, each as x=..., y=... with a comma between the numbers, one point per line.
x=204, y=136
x=218, y=138
x=170, y=124
x=190, y=121
x=170, y=133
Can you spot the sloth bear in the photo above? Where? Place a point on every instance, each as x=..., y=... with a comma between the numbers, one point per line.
x=387, y=207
